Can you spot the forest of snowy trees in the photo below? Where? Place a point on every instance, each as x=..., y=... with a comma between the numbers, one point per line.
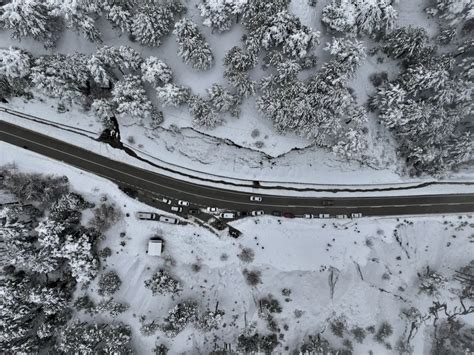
x=427, y=106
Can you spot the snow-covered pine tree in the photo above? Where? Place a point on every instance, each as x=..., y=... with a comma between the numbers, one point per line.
x=202, y=112
x=452, y=11
x=155, y=71
x=340, y=16
x=220, y=14
x=15, y=63
x=238, y=62
x=405, y=43
x=163, y=283
x=61, y=76
x=153, y=21
x=78, y=14
x=173, y=95
x=221, y=99
x=192, y=46
x=119, y=14
x=130, y=100
x=104, y=110
x=31, y=18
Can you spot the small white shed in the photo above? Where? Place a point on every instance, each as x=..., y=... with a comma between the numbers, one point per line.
x=155, y=247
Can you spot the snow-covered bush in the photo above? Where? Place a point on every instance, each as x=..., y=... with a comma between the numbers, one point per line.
x=103, y=109
x=15, y=63
x=210, y=320
x=105, y=216
x=162, y=283
x=179, y=317
x=173, y=95
x=364, y=17
x=452, y=11
x=109, y=283
x=192, y=46
x=405, y=42
x=130, y=100
x=155, y=71
x=113, y=308
x=220, y=14
x=31, y=18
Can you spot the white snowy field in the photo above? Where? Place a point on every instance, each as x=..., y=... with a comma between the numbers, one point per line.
x=247, y=147
x=375, y=272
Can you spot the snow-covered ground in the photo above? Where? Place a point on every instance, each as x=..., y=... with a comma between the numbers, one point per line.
x=374, y=271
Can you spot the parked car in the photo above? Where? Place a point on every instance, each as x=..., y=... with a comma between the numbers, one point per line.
x=307, y=215
x=243, y=213
x=183, y=203
x=194, y=211
x=356, y=215
x=328, y=202
x=256, y=198
x=324, y=215
x=227, y=215
x=257, y=213
x=234, y=233
x=166, y=200
x=212, y=210
x=341, y=216
x=276, y=213
x=145, y=215
x=288, y=215
x=176, y=209
x=169, y=220
x=129, y=191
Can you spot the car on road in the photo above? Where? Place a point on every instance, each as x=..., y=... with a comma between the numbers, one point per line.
x=257, y=213
x=243, y=213
x=356, y=215
x=212, y=210
x=227, y=215
x=169, y=220
x=234, y=233
x=146, y=216
x=256, y=198
x=328, y=202
x=176, y=209
x=129, y=191
x=183, y=203
x=194, y=211
x=288, y=215
x=308, y=216
x=166, y=200
x=341, y=216
x=276, y=213
x=324, y=215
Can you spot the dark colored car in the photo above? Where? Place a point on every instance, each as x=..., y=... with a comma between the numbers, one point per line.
x=276, y=213
x=234, y=233
x=328, y=202
x=288, y=215
x=243, y=213
x=129, y=191
x=194, y=211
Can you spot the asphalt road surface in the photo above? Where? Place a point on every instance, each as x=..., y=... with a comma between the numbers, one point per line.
x=153, y=187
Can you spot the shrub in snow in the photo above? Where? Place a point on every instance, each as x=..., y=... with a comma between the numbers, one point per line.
x=384, y=331
x=317, y=344
x=203, y=113
x=192, y=46
x=14, y=63
x=431, y=282
x=114, y=309
x=155, y=71
x=130, y=100
x=210, y=320
x=246, y=255
x=156, y=119
x=84, y=303
x=359, y=334
x=253, y=277
x=370, y=17
x=31, y=18
x=109, y=283
x=220, y=14
x=68, y=208
x=179, y=317
x=105, y=216
x=173, y=95
x=162, y=283
x=255, y=343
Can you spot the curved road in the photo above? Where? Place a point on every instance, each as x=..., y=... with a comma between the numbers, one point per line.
x=152, y=185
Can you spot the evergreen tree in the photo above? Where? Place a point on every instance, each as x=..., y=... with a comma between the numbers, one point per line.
x=220, y=14
x=405, y=43
x=452, y=11
x=221, y=100
x=155, y=71
x=173, y=95
x=130, y=100
x=31, y=18
x=119, y=14
x=163, y=283
x=109, y=283
x=203, y=113
x=192, y=46
x=179, y=317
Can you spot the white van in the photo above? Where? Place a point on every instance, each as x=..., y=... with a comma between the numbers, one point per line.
x=145, y=215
